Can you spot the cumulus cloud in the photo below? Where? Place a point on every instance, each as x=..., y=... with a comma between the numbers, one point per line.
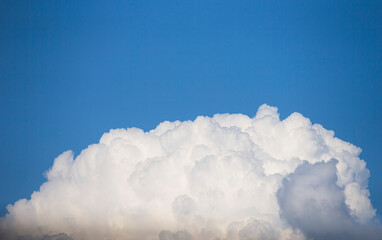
x=229, y=177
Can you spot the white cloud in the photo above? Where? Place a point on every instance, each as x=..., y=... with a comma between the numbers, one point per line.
x=225, y=177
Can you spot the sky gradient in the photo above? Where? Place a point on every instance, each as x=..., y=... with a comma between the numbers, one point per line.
x=71, y=71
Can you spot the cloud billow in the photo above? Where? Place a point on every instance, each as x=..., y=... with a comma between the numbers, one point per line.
x=311, y=201
x=227, y=177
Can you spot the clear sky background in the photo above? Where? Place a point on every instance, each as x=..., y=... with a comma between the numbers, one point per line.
x=72, y=70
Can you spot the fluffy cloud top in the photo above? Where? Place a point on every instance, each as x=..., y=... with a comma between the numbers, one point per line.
x=227, y=177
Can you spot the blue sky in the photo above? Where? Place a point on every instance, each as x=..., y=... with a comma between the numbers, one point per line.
x=71, y=71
